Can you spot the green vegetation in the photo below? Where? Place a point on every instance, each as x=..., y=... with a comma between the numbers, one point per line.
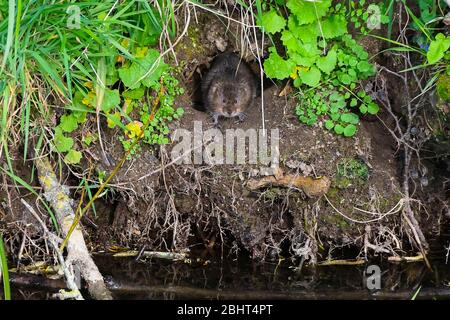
x=81, y=62
x=4, y=270
x=351, y=172
x=324, y=61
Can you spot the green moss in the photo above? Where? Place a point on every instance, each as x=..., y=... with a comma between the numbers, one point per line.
x=351, y=172
x=443, y=87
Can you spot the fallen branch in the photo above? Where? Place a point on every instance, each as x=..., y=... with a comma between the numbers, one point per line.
x=175, y=256
x=54, y=239
x=417, y=258
x=311, y=186
x=355, y=262
x=78, y=254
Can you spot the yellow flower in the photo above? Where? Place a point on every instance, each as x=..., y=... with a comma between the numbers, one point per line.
x=89, y=99
x=89, y=84
x=134, y=129
x=111, y=117
x=141, y=52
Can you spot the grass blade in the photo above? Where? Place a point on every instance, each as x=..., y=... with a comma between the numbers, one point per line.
x=4, y=270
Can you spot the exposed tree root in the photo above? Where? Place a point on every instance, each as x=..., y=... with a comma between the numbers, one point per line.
x=312, y=187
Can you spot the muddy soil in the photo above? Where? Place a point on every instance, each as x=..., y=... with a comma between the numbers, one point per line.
x=179, y=206
x=156, y=203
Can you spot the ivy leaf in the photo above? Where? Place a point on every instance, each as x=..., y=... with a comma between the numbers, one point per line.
x=272, y=22
x=437, y=48
x=146, y=70
x=308, y=11
x=278, y=68
x=73, y=157
x=310, y=77
x=68, y=123
x=328, y=63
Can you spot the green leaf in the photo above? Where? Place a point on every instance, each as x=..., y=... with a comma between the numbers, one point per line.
x=135, y=93
x=339, y=129
x=334, y=26
x=146, y=70
x=306, y=33
x=111, y=99
x=68, y=123
x=62, y=143
x=365, y=67
x=350, y=130
x=350, y=118
x=272, y=22
x=310, y=77
x=308, y=11
x=278, y=68
x=73, y=157
x=329, y=124
x=327, y=63
x=437, y=48
x=373, y=108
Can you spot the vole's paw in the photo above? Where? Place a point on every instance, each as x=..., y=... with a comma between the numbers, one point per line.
x=215, y=120
x=241, y=117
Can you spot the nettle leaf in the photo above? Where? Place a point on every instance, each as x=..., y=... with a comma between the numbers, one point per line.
x=146, y=70
x=278, y=68
x=73, y=157
x=310, y=77
x=328, y=63
x=308, y=11
x=68, y=123
x=272, y=22
x=334, y=26
x=438, y=48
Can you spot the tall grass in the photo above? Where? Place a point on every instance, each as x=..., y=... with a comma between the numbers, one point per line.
x=45, y=59
x=4, y=270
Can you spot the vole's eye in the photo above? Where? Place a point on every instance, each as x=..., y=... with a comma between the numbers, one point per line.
x=235, y=101
x=223, y=100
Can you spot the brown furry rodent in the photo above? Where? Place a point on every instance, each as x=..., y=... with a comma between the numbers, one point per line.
x=228, y=88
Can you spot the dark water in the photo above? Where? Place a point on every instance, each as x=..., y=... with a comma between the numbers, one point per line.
x=242, y=279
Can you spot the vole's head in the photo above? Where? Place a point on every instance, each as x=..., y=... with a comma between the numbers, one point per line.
x=230, y=99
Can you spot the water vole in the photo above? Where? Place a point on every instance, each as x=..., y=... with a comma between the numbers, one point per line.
x=228, y=88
